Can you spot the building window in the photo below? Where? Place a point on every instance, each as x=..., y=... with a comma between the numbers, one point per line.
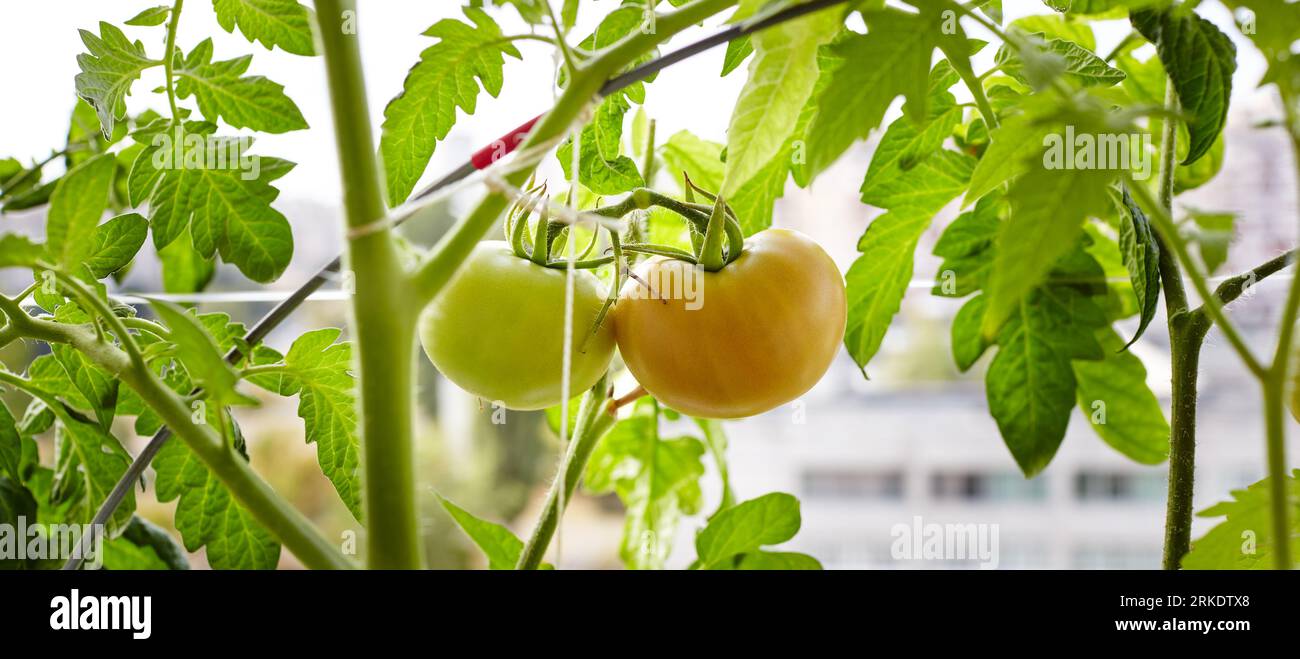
x=986, y=486
x=852, y=484
x=1119, y=486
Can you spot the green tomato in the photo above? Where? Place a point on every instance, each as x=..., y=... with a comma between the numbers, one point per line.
x=497, y=329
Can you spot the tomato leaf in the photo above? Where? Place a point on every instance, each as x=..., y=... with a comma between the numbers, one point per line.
x=1080, y=64
x=878, y=279
x=225, y=206
x=767, y=520
x=197, y=350
x=1114, y=395
x=319, y=371
x=17, y=250
x=97, y=386
x=865, y=74
x=151, y=16
x=657, y=480
x=184, y=270
x=781, y=79
x=738, y=50
x=78, y=202
x=273, y=23
x=1048, y=208
x=968, y=343
x=1200, y=61
x=1030, y=384
x=1141, y=254
x=1244, y=540
x=500, y=546
x=11, y=445
x=116, y=243
x=223, y=92
x=208, y=516
x=107, y=71
x=602, y=168
x=446, y=77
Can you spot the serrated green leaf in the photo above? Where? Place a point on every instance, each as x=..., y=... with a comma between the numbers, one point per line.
x=273, y=23
x=657, y=480
x=1190, y=177
x=1030, y=384
x=775, y=560
x=225, y=207
x=222, y=91
x=930, y=185
x=319, y=371
x=738, y=50
x=184, y=270
x=446, y=77
x=11, y=445
x=197, y=350
x=1055, y=26
x=1141, y=254
x=98, y=387
x=699, y=158
x=1080, y=64
x=1011, y=147
x=1048, y=208
x=968, y=343
x=866, y=72
x=1114, y=396
x=878, y=279
x=601, y=176
x=781, y=78
x=767, y=520
x=116, y=243
x=75, y=208
x=208, y=516
x=107, y=71
x=1244, y=540
x=19, y=251
x=1200, y=60
x=151, y=16
x=906, y=142
x=16, y=504
x=500, y=546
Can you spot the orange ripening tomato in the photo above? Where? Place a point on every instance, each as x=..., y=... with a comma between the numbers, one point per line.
x=752, y=336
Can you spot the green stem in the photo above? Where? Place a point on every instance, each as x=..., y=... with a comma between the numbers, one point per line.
x=383, y=316
x=168, y=59
x=592, y=424
x=711, y=256
x=1186, y=335
x=1276, y=383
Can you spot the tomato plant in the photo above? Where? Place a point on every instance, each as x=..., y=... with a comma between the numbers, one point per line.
x=1061, y=255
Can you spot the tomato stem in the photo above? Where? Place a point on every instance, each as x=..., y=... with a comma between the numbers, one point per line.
x=383, y=316
x=711, y=256
x=591, y=425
